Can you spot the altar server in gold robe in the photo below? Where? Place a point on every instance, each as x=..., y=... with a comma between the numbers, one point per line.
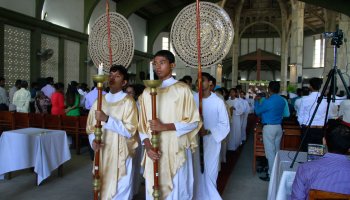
x=178, y=124
x=119, y=120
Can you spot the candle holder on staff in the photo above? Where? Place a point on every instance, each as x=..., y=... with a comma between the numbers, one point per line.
x=99, y=79
x=153, y=85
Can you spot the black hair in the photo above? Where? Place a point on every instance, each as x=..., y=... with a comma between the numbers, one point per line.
x=59, y=85
x=18, y=82
x=138, y=89
x=71, y=92
x=24, y=84
x=49, y=80
x=213, y=80
x=300, y=92
x=315, y=83
x=167, y=54
x=274, y=86
x=187, y=78
x=305, y=91
x=121, y=69
x=2, y=78
x=207, y=75
x=220, y=90
x=338, y=138
x=234, y=89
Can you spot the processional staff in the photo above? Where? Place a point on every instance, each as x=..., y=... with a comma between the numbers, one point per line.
x=153, y=85
x=200, y=95
x=217, y=31
x=100, y=78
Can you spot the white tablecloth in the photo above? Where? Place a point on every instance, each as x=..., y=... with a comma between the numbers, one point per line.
x=43, y=149
x=282, y=163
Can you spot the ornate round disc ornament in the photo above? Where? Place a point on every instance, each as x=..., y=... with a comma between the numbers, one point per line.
x=216, y=34
x=122, y=41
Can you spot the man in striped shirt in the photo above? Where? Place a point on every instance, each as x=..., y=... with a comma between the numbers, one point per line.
x=331, y=172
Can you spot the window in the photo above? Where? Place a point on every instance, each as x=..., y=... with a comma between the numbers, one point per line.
x=165, y=43
x=319, y=53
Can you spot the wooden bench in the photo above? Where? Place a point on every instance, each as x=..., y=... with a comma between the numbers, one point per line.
x=323, y=195
x=258, y=144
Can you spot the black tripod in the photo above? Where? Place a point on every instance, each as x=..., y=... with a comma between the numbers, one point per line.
x=331, y=78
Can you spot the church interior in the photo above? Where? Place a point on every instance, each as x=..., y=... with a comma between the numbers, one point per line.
x=287, y=41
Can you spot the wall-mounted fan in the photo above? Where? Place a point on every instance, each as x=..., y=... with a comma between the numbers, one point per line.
x=45, y=54
x=89, y=62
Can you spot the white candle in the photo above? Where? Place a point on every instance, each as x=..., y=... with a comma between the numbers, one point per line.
x=151, y=74
x=100, y=69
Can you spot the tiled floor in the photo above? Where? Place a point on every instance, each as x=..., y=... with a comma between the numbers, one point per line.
x=242, y=184
x=76, y=182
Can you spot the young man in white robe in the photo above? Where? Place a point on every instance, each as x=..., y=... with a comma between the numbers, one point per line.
x=235, y=138
x=119, y=138
x=216, y=126
x=244, y=115
x=177, y=124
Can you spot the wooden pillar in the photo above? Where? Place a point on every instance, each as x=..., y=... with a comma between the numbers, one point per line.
x=258, y=64
x=2, y=48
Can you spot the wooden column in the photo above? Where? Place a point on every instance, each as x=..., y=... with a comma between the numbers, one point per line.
x=258, y=64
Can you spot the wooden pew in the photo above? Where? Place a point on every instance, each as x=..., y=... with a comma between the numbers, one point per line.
x=21, y=120
x=6, y=121
x=323, y=195
x=291, y=138
x=258, y=145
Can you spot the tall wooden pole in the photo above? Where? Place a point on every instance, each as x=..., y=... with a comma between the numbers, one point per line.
x=153, y=85
x=98, y=134
x=200, y=92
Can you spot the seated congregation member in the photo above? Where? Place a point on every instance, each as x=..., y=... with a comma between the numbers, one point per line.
x=72, y=100
x=177, y=129
x=119, y=120
x=4, y=101
x=41, y=103
x=305, y=112
x=49, y=88
x=21, y=98
x=330, y=173
x=57, y=100
x=271, y=111
x=216, y=126
x=13, y=89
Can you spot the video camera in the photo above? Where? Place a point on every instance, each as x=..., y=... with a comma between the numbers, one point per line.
x=336, y=36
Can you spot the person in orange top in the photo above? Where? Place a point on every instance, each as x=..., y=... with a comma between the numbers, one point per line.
x=57, y=100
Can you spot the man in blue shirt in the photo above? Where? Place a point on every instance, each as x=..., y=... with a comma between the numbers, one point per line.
x=271, y=111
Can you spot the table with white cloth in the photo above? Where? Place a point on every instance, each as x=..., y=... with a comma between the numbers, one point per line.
x=282, y=176
x=43, y=149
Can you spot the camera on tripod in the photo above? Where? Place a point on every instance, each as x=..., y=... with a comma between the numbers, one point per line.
x=337, y=37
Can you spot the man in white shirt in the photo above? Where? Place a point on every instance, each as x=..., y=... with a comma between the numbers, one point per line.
x=344, y=110
x=48, y=89
x=215, y=128
x=21, y=98
x=4, y=101
x=12, y=91
x=305, y=92
x=305, y=112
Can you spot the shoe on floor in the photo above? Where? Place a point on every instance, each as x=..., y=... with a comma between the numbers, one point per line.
x=266, y=178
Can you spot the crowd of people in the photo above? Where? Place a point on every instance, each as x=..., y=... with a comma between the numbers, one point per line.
x=185, y=171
